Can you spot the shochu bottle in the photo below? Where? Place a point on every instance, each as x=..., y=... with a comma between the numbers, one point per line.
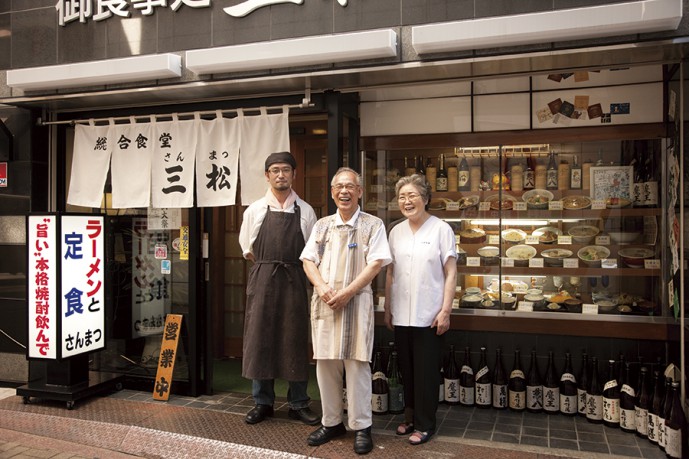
x=643, y=403
x=534, y=387
x=627, y=400
x=379, y=396
x=466, y=381
x=656, y=406
x=551, y=388
x=664, y=413
x=396, y=390
x=516, y=386
x=452, y=379
x=499, y=383
x=568, y=389
x=583, y=384
x=611, y=398
x=676, y=427
x=594, y=396
x=483, y=382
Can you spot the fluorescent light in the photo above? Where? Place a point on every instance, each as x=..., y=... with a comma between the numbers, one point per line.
x=294, y=52
x=109, y=71
x=549, y=26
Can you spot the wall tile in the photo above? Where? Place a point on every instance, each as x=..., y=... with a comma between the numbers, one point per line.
x=297, y=21
x=429, y=11
x=131, y=37
x=19, y=5
x=363, y=14
x=228, y=30
x=490, y=8
x=92, y=33
x=33, y=38
x=186, y=28
x=5, y=41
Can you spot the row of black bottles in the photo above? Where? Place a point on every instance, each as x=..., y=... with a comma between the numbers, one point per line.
x=649, y=408
x=387, y=392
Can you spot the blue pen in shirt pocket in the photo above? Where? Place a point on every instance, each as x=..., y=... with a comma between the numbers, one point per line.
x=352, y=245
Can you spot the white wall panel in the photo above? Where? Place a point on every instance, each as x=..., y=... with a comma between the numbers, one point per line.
x=501, y=112
x=646, y=74
x=498, y=85
x=418, y=91
x=423, y=116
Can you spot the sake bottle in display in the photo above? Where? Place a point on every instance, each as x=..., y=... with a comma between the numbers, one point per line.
x=676, y=426
x=463, y=175
x=575, y=175
x=409, y=169
x=420, y=166
x=568, y=389
x=499, y=383
x=583, y=384
x=551, y=388
x=594, y=395
x=483, y=382
x=551, y=173
x=441, y=386
x=534, y=387
x=655, y=406
x=441, y=178
x=379, y=396
x=452, y=379
x=611, y=398
x=431, y=174
x=516, y=386
x=467, y=381
x=396, y=391
x=627, y=400
x=643, y=403
x=664, y=413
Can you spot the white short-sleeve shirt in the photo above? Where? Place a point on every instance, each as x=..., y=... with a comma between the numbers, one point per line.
x=418, y=275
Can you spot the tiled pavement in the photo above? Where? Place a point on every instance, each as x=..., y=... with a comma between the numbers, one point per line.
x=129, y=424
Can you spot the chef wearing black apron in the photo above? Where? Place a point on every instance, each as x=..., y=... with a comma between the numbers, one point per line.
x=276, y=321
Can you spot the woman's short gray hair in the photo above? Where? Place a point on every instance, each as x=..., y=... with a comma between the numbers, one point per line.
x=419, y=182
x=342, y=170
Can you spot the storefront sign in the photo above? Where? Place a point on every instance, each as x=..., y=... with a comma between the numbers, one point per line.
x=168, y=355
x=76, y=305
x=42, y=294
x=184, y=243
x=82, y=256
x=164, y=219
x=99, y=10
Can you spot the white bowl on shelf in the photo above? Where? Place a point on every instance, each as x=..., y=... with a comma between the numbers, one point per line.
x=537, y=199
x=593, y=254
x=521, y=254
x=583, y=234
x=623, y=237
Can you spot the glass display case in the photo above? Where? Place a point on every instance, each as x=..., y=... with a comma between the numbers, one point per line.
x=552, y=238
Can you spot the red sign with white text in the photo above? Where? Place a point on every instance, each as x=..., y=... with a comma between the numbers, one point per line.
x=3, y=174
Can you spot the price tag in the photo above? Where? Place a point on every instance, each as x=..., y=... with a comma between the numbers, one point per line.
x=608, y=263
x=525, y=306
x=531, y=239
x=377, y=188
x=473, y=261
x=597, y=204
x=564, y=240
x=484, y=206
x=555, y=205
x=589, y=309
x=381, y=304
x=493, y=239
x=520, y=288
x=507, y=262
x=452, y=206
x=570, y=263
x=652, y=264
x=536, y=263
x=455, y=303
x=602, y=240
x=519, y=206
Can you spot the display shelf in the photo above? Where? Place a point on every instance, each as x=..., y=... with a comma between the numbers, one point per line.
x=558, y=271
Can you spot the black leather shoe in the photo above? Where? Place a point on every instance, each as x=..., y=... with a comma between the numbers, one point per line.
x=305, y=415
x=258, y=414
x=363, y=443
x=324, y=434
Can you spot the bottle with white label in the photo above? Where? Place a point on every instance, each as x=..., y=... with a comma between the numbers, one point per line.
x=551, y=388
x=655, y=406
x=467, y=381
x=452, y=379
x=611, y=398
x=643, y=403
x=516, y=386
x=534, y=387
x=568, y=389
x=594, y=396
x=627, y=399
x=483, y=383
x=583, y=384
x=664, y=413
x=676, y=426
x=499, y=383
x=379, y=395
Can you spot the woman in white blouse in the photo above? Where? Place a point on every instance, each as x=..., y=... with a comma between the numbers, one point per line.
x=420, y=286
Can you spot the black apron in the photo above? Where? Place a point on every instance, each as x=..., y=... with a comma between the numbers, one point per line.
x=276, y=321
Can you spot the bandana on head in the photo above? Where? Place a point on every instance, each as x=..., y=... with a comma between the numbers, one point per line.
x=281, y=157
